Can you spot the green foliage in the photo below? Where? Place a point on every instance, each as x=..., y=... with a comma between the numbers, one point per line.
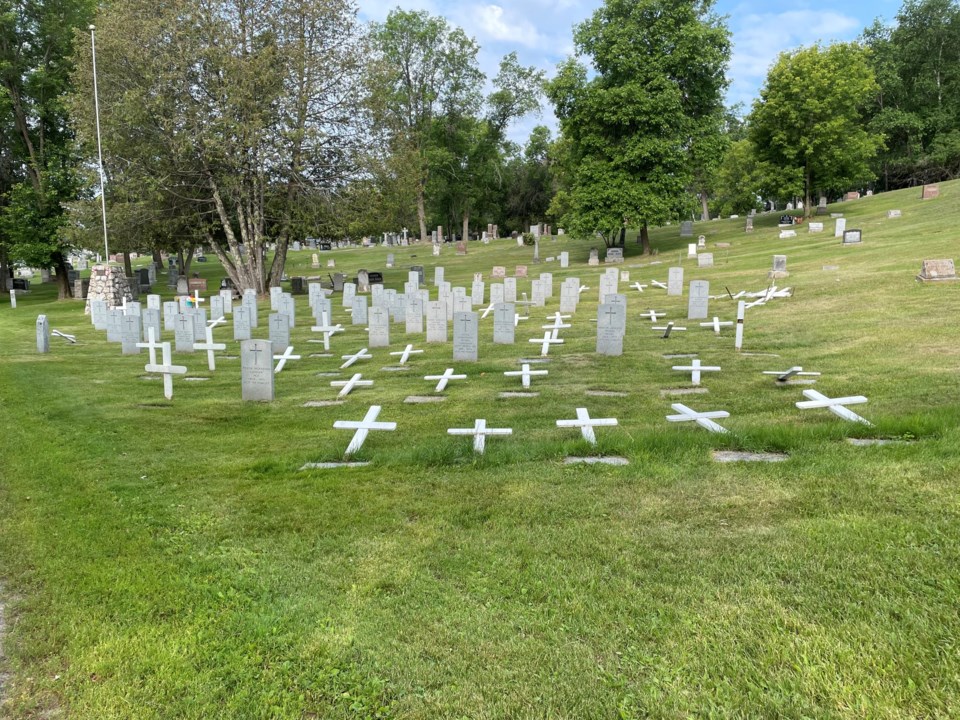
x=808, y=120
x=639, y=126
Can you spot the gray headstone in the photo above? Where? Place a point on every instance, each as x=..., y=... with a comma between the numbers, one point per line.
x=279, y=332
x=130, y=334
x=611, y=328
x=151, y=319
x=594, y=258
x=114, y=320
x=154, y=302
x=840, y=227
x=199, y=316
x=477, y=292
x=43, y=334
x=216, y=307
x=675, y=281
x=465, y=336
x=564, y=259
x=287, y=306
x=496, y=293
x=537, y=293
x=436, y=322
x=275, y=293
x=184, y=333
x=437, y=276
x=510, y=289
x=504, y=326
x=699, y=302
x=686, y=228
x=182, y=286
x=170, y=310
x=414, y=317
x=349, y=293
x=250, y=302
x=241, y=323
x=98, y=313
x=547, y=280
x=227, y=297
x=705, y=260
x=133, y=308
x=379, y=324
x=256, y=370
x=852, y=236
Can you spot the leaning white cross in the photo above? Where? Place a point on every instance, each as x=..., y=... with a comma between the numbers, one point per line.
x=479, y=432
x=209, y=346
x=363, y=428
x=638, y=286
x=287, y=355
x=695, y=368
x=556, y=325
x=327, y=329
x=406, y=353
x=834, y=405
x=586, y=424
x=487, y=310
x=219, y=321
x=361, y=354
x=518, y=317
x=657, y=283
x=654, y=315
x=444, y=379
x=581, y=289
x=716, y=324
x=167, y=369
x=151, y=345
x=348, y=385
x=556, y=317
x=667, y=329
x=784, y=375
x=703, y=419
x=546, y=342
x=65, y=336
x=525, y=374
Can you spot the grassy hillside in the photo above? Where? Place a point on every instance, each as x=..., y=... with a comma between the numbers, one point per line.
x=170, y=560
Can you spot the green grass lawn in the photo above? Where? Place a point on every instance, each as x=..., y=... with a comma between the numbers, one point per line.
x=169, y=560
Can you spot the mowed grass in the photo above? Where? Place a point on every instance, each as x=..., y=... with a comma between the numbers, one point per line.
x=169, y=560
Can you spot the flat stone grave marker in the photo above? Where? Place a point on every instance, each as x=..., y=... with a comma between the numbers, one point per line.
x=891, y=214
x=835, y=405
x=705, y=260
x=443, y=379
x=695, y=368
x=815, y=227
x=703, y=419
x=852, y=237
x=937, y=271
x=279, y=331
x=699, y=301
x=787, y=234
x=465, y=336
x=362, y=428
x=256, y=371
x=929, y=192
x=675, y=281
x=43, y=334
x=587, y=424
x=480, y=431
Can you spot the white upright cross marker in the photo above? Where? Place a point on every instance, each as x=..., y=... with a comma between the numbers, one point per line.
x=287, y=355
x=716, y=324
x=546, y=342
x=667, y=329
x=834, y=405
x=703, y=419
x=363, y=428
x=525, y=374
x=479, y=432
x=348, y=385
x=586, y=424
x=444, y=379
x=406, y=353
x=167, y=369
x=654, y=315
x=695, y=368
x=151, y=345
x=209, y=346
x=327, y=329
x=361, y=354
x=638, y=286
x=784, y=375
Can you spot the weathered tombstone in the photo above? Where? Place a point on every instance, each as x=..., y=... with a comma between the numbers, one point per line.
x=241, y=323
x=699, y=301
x=43, y=334
x=749, y=226
x=363, y=281
x=358, y=310
x=390, y=260
x=611, y=328
x=822, y=205
x=504, y=325
x=349, y=293
x=702, y=241
x=227, y=297
x=705, y=260
x=564, y=259
x=852, y=195
x=614, y=255
x=499, y=271
x=510, y=290
x=840, y=227
x=379, y=326
x=520, y=272
x=154, y=302
x=256, y=370
x=279, y=332
x=315, y=261
x=852, y=237
x=675, y=281
x=929, y=192
x=461, y=247
x=465, y=336
x=436, y=322
x=779, y=268
x=891, y=214
x=183, y=287
x=686, y=228
x=594, y=257
x=184, y=333
x=132, y=308
x=815, y=227
x=170, y=310
x=130, y=335
x=937, y=271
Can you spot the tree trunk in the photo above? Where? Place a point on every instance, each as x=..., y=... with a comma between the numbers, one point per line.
x=127, y=267
x=279, y=261
x=645, y=238
x=466, y=226
x=4, y=270
x=64, y=291
x=157, y=258
x=421, y=214
x=704, y=208
x=807, y=196
x=188, y=260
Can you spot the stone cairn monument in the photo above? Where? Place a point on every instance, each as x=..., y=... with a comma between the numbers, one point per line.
x=107, y=282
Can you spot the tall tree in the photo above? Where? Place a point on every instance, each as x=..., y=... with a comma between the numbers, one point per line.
x=634, y=124
x=240, y=106
x=36, y=45
x=809, y=118
x=422, y=68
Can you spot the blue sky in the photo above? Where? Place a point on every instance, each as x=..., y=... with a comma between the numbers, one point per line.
x=541, y=31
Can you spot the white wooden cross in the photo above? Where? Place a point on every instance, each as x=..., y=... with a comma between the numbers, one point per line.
x=444, y=379
x=716, y=324
x=151, y=345
x=556, y=325
x=487, y=310
x=219, y=321
x=695, y=368
x=525, y=374
x=834, y=405
x=518, y=317
x=65, y=336
x=287, y=355
x=406, y=353
x=557, y=317
x=657, y=283
x=667, y=329
x=196, y=299
x=363, y=428
x=167, y=369
x=581, y=289
x=586, y=424
x=546, y=342
x=784, y=375
x=348, y=385
x=209, y=346
x=703, y=419
x=327, y=329
x=479, y=432
x=638, y=286
x=654, y=315
x=361, y=354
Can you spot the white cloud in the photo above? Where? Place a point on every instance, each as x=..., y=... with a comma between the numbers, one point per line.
x=493, y=22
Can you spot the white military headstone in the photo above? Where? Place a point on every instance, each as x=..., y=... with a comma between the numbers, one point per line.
x=675, y=281
x=698, y=304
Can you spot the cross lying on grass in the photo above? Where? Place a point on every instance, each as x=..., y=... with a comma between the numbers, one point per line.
x=586, y=424
x=784, y=375
x=716, y=324
x=703, y=419
x=363, y=428
x=406, y=353
x=348, y=385
x=639, y=287
x=444, y=379
x=518, y=317
x=545, y=342
x=667, y=329
x=657, y=283
x=65, y=336
x=361, y=354
x=480, y=432
x=287, y=355
x=834, y=405
x=525, y=374
x=654, y=315
x=695, y=368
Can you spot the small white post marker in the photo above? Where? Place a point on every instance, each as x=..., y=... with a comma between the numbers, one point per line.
x=785, y=375
x=209, y=346
x=361, y=354
x=363, y=428
x=587, y=424
x=348, y=385
x=287, y=355
x=834, y=405
x=444, y=379
x=167, y=369
x=479, y=432
x=327, y=329
x=695, y=368
x=667, y=329
x=716, y=324
x=703, y=419
x=406, y=353
x=525, y=374
x=545, y=342
x=13, y=298
x=741, y=312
